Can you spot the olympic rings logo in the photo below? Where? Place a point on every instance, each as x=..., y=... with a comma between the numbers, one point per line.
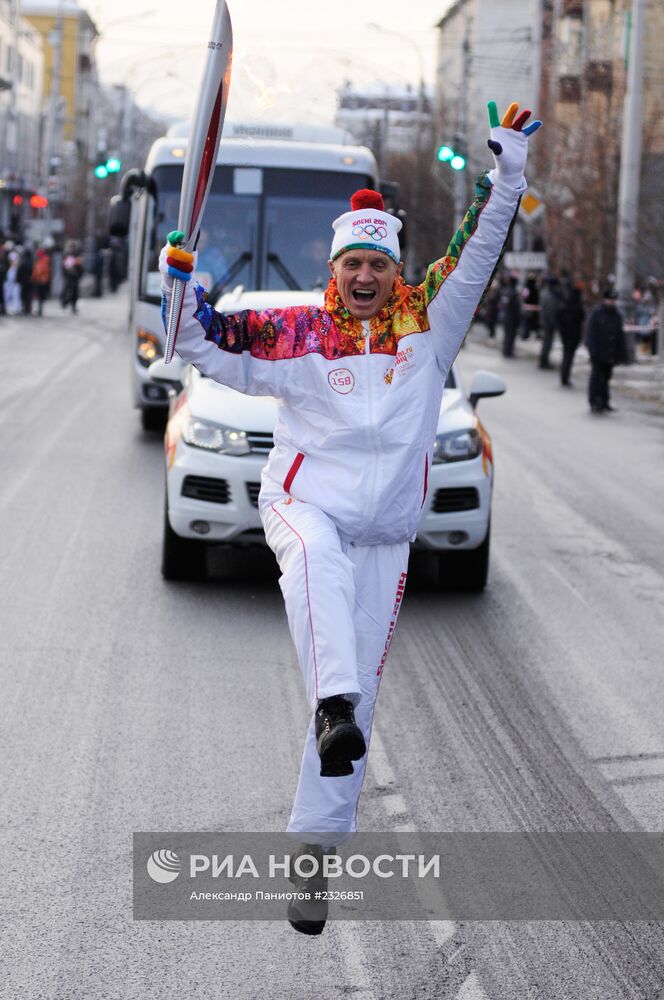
x=370, y=232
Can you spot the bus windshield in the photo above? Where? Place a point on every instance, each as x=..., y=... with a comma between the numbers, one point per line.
x=298, y=234
x=228, y=234
x=299, y=208
x=276, y=238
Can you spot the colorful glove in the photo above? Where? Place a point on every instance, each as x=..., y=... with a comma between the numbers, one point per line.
x=175, y=262
x=509, y=142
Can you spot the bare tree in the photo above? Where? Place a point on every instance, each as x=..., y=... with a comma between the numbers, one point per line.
x=432, y=219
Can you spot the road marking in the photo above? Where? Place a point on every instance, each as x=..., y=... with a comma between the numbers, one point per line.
x=378, y=763
x=394, y=804
x=351, y=949
x=579, y=596
x=471, y=989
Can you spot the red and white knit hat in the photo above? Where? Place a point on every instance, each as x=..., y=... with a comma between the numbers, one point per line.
x=367, y=227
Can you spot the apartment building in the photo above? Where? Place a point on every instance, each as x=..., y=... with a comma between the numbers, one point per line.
x=21, y=75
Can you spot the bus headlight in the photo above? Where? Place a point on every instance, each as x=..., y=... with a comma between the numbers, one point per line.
x=214, y=437
x=457, y=446
x=148, y=347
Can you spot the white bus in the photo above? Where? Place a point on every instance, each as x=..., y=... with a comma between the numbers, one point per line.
x=267, y=224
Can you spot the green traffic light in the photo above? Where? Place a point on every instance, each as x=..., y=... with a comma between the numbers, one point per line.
x=445, y=153
x=113, y=165
x=101, y=171
x=457, y=162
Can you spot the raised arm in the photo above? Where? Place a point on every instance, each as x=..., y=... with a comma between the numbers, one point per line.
x=454, y=285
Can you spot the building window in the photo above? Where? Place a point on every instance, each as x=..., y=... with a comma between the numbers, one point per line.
x=571, y=47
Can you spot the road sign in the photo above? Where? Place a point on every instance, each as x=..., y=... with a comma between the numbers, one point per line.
x=532, y=206
x=525, y=260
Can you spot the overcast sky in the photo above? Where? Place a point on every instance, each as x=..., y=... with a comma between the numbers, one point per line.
x=289, y=57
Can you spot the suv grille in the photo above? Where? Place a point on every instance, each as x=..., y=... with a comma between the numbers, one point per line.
x=459, y=498
x=260, y=442
x=252, y=490
x=205, y=488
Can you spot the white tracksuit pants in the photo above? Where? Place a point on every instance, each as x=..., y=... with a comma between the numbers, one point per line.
x=342, y=603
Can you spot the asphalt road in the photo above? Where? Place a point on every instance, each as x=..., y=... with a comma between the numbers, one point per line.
x=130, y=704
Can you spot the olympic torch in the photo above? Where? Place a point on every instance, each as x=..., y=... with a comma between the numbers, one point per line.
x=202, y=151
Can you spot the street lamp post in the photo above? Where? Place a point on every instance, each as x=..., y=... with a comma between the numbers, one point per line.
x=460, y=190
x=630, y=159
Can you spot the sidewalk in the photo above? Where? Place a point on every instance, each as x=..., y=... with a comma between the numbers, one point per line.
x=111, y=307
x=642, y=381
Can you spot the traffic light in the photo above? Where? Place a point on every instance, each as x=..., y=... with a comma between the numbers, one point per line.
x=112, y=165
x=453, y=156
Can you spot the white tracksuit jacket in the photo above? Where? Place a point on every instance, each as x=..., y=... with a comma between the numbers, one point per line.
x=344, y=485
x=359, y=400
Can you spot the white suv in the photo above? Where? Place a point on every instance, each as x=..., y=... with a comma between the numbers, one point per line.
x=217, y=441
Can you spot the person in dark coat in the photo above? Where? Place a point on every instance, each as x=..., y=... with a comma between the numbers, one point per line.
x=98, y=270
x=41, y=278
x=607, y=347
x=24, y=278
x=492, y=308
x=529, y=307
x=4, y=267
x=510, y=304
x=115, y=276
x=570, y=324
x=550, y=303
x=72, y=272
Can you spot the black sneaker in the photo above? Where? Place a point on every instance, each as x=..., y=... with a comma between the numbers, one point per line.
x=308, y=916
x=338, y=739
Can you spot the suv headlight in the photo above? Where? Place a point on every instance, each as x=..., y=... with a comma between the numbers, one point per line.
x=457, y=446
x=214, y=437
x=148, y=347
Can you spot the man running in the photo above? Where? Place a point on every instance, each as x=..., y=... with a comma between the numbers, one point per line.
x=359, y=383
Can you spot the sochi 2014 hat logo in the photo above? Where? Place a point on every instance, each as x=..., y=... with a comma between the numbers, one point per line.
x=163, y=866
x=372, y=232
x=342, y=380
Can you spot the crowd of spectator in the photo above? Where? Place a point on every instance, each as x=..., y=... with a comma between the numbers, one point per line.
x=544, y=307
x=30, y=274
